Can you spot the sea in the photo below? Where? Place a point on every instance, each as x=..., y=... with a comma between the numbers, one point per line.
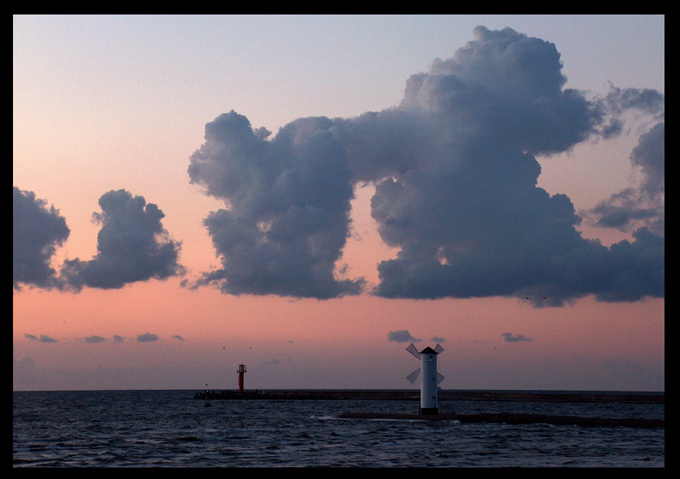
x=139, y=429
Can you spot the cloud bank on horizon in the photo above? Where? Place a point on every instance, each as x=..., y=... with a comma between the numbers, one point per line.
x=455, y=174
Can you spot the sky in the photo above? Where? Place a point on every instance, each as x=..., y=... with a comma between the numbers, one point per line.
x=308, y=195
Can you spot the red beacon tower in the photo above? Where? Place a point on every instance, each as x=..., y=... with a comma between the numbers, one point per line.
x=241, y=371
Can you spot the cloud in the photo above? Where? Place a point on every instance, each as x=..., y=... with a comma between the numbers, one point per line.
x=650, y=156
x=506, y=88
x=132, y=246
x=147, y=338
x=117, y=339
x=516, y=338
x=288, y=199
x=36, y=233
x=94, y=339
x=468, y=218
x=43, y=338
x=620, y=101
x=455, y=173
x=641, y=205
x=401, y=336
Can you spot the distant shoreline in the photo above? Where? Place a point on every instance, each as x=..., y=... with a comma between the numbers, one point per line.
x=444, y=395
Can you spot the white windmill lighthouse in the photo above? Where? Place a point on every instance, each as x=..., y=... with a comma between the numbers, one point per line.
x=429, y=377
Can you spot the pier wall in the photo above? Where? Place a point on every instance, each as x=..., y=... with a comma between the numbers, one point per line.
x=444, y=395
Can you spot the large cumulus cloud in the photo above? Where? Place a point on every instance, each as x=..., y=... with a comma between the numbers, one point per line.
x=132, y=246
x=37, y=231
x=455, y=171
x=288, y=204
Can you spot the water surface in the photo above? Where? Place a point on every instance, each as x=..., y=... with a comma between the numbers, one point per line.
x=171, y=429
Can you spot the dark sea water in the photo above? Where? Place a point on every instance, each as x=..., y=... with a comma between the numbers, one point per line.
x=171, y=429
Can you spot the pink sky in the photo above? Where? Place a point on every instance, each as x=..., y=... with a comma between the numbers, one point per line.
x=336, y=343
x=326, y=344
x=100, y=104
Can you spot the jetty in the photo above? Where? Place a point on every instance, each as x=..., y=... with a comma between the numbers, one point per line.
x=444, y=395
x=463, y=395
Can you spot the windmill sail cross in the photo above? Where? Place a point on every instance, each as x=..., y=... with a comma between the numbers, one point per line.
x=413, y=376
x=413, y=350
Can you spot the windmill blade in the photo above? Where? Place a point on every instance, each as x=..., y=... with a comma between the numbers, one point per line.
x=412, y=349
x=440, y=378
x=413, y=376
x=438, y=348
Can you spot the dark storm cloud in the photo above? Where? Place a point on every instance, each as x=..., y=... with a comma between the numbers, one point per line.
x=36, y=233
x=132, y=246
x=455, y=171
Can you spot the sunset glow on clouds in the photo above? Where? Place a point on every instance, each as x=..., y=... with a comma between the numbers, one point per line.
x=318, y=248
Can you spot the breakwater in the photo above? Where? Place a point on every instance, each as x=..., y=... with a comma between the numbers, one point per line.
x=465, y=395
x=444, y=395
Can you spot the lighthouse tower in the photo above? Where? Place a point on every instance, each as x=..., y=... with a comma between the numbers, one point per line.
x=429, y=377
x=241, y=371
